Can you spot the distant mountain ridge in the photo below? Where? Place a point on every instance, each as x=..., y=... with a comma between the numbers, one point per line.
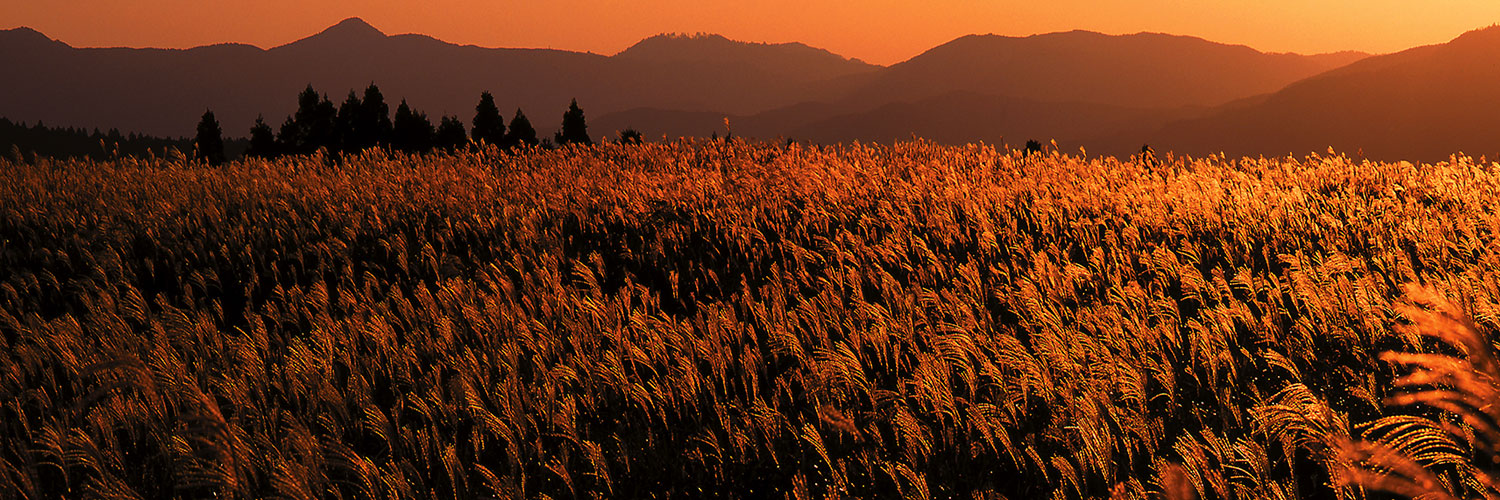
x=162, y=91
x=1423, y=103
x=1107, y=92
x=1139, y=70
x=700, y=47
x=1110, y=93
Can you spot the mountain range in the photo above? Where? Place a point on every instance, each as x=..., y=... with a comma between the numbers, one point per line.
x=1108, y=93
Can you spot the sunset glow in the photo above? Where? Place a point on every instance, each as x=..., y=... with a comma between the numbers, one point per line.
x=877, y=31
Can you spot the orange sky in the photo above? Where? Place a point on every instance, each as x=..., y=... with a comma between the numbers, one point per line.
x=878, y=31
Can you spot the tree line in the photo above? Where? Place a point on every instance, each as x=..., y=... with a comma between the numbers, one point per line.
x=20, y=140
x=363, y=122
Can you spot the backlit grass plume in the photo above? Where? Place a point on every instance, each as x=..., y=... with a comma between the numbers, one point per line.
x=1450, y=448
x=736, y=319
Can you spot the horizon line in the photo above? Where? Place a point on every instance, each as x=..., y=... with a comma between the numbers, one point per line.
x=712, y=34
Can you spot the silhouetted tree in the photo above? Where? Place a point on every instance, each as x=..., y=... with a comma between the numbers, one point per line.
x=313, y=124
x=345, y=134
x=411, y=130
x=1033, y=147
x=521, y=132
x=630, y=136
x=575, y=130
x=489, y=126
x=372, y=125
x=208, y=145
x=311, y=127
x=287, y=137
x=262, y=141
x=38, y=140
x=450, y=134
x=323, y=130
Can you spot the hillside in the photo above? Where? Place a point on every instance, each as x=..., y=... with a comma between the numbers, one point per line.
x=667, y=84
x=1105, y=92
x=1420, y=104
x=1144, y=70
x=162, y=91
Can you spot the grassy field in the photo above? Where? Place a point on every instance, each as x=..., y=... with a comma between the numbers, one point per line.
x=730, y=320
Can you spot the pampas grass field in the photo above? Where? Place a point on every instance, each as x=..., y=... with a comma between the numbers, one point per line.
x=741, y=320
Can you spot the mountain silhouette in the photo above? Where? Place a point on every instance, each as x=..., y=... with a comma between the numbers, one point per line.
x=710, y=72
x=1077, y=87
x=1143, y=70
x=1420, y=104
x=349, y=32
x=1105, y=92
x=28, y=39
x=163, y=91
x=788, y=60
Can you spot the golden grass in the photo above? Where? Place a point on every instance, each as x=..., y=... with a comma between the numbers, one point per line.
x=734, y=320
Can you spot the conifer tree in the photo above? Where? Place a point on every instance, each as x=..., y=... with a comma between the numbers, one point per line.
x=209, y=143
x=373, y=126
x=287, y=137
x=575, y=130
x=489, y=126
x=450, y=134
x=411, y=130
x=521, y=132
x=313, y=126
x=314, y=122
x=262, y=141
x=345, y=134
